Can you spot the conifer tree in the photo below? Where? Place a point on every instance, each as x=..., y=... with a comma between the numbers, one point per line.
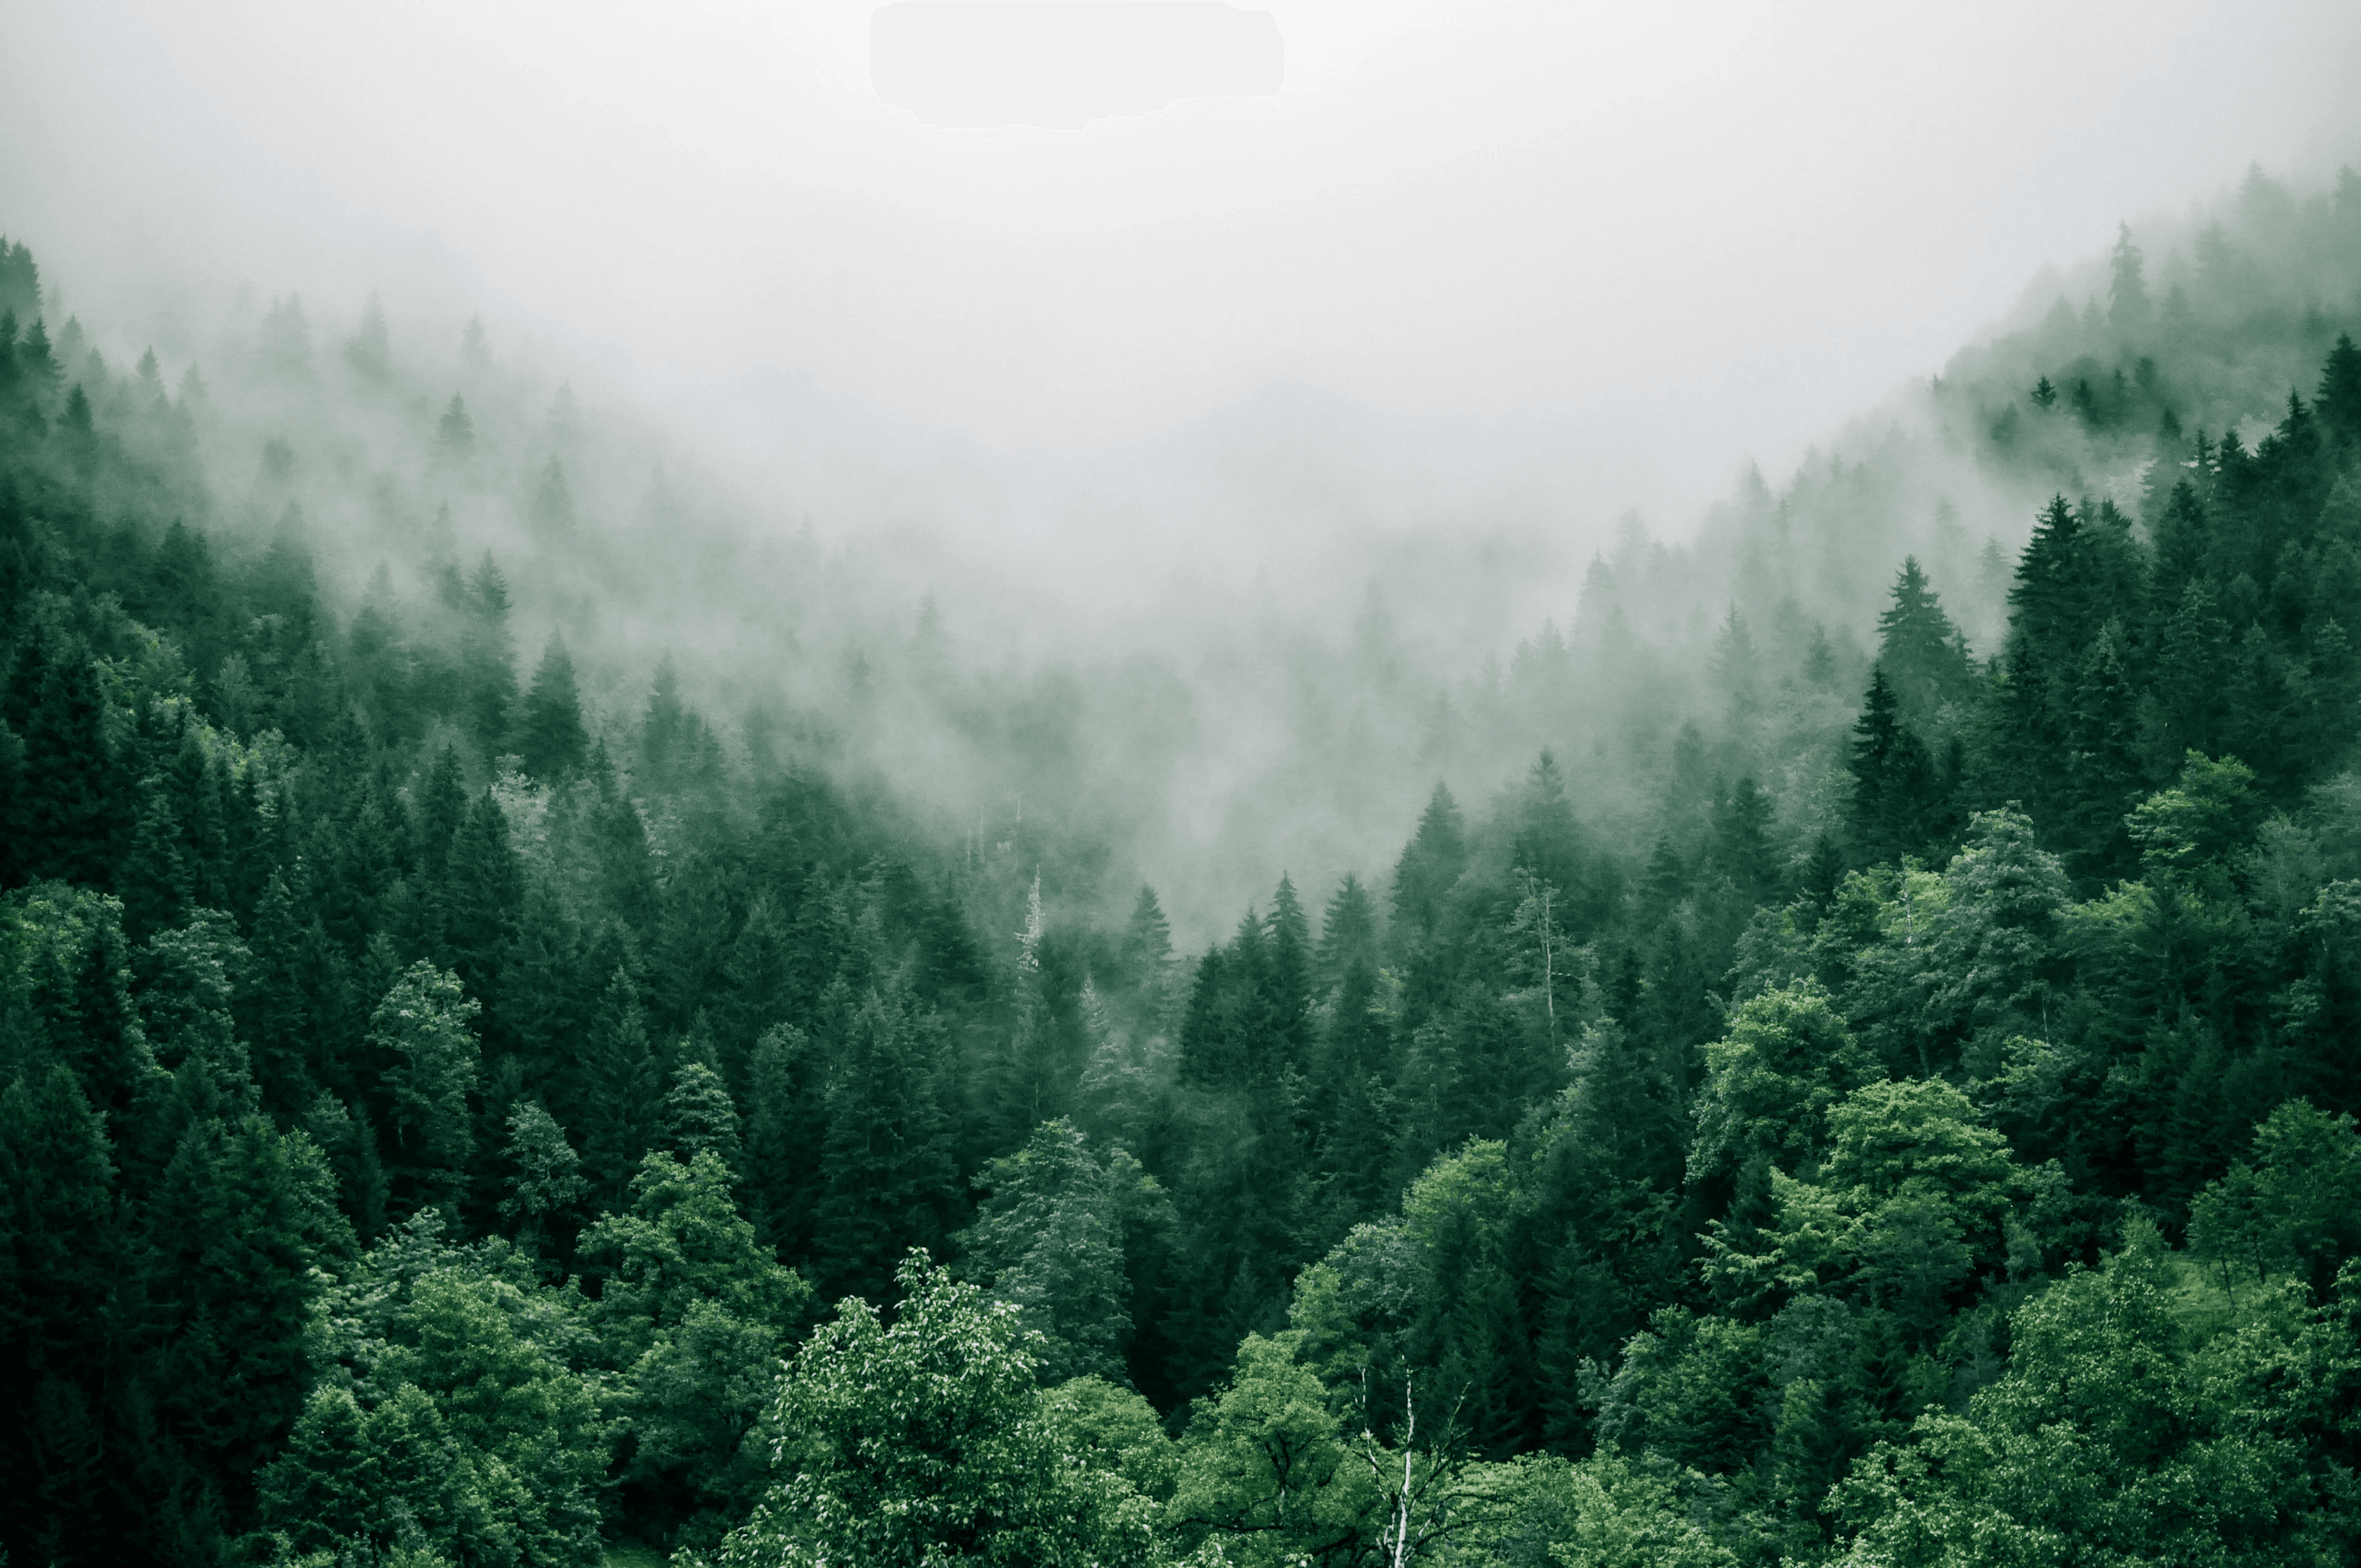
x=547, y=1179
x=2338, y=401
x=1923, y=654
x=69, y=806
x=1348, y=932
x=271, y=1011
x=1893, y=777
x=454, y=433
x=700, y=1117
x=1291, y=971
x=487, y=659
x=615, y=1090
x=1146, y=952
x=1549, y=840
x=885, y=1169
x=64, y=1261
x=483, y=894
x=1430, y=865
x=551, y=737
x=785, y=1131
x=369, y=350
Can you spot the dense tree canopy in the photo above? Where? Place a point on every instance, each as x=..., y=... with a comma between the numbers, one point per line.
x=1835, y=1070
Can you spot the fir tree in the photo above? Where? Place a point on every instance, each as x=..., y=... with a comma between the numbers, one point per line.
x=551, y=737
x=700, y=1117
x=1348, y=932
x=615, y=1090
x=1430, y=864
x=454, y=433
x=1893, y=777
x=487, y=659
x=1923, y=656
x=2338, y=401
x=1146, y=952
x=885, y=1169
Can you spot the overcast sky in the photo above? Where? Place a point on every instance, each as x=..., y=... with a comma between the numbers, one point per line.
x=1537, y=261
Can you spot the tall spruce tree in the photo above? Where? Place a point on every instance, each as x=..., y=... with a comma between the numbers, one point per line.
x=550, y=736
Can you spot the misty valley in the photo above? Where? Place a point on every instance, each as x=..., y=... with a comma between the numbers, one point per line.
x=552, y=1015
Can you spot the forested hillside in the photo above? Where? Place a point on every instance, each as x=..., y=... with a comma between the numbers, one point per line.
x=1855, y=1080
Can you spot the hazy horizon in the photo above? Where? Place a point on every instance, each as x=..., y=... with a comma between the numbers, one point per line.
x=1496, y=268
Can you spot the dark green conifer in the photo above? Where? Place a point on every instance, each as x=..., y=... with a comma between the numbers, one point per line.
x=1923, y=654
x=1893, y=777
x=700, y=1117
x=2338, y=401
x=551, y=737
x=1430, y=865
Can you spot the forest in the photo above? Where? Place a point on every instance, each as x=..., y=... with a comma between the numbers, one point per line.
x=476, y=1088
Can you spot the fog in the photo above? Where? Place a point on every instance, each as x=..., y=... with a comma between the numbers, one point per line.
x=1540, y=262
x=1484, y=289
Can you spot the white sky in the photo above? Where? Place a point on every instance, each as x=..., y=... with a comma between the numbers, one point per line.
x=1535, y=261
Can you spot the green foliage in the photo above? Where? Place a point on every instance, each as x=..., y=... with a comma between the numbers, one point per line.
x=1054, y=1237
x=929, y=1441
x=422, y=1024
x=2119, y=1434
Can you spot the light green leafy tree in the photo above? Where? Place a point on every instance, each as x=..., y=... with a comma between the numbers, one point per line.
x=422, y=1023
x=929, y=1441
x=693, y=1315
x=2128, y=1428
x=446, y=1421
x=1906, y=1206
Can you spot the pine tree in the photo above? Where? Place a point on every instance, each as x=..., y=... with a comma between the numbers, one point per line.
x=271, y=1011
x=614, y=1092
x=487, y=659
x=1893, y=777
x=369, y=350
x=885, y=1169
x=69, y=800
x=1348, y=932
x=665, y=731
x=551, y=737
x=1923, y=654
x=2338, y=401
x=786, y=1129
x=63, y=1268
x=1430, y=865
x=700, y=1117
x=482, y=897
x=1290, y=972
x=154, y=880
x=1742, y=840
x=235, y=1244
x=2189, y=692
x=1145, y=951
x=454, y=433
x=2182, y=543
x=2106, y=771
x=1549, y=840
x=441, y=810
